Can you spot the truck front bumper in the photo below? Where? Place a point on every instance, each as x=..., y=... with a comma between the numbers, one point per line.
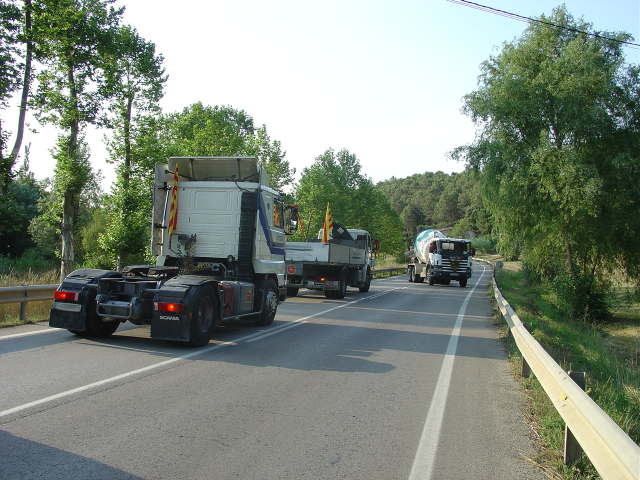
x=440, y=273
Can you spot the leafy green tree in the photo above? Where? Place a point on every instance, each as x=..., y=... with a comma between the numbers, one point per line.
x=27, y=38
x=134, y=82
x=336, y=178
x=9, y=75
x=558, y=113
x=78, y=36
x=18, y=208
x=45, y=229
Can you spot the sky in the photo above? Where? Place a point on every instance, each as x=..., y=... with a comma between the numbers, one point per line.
x=383, y=79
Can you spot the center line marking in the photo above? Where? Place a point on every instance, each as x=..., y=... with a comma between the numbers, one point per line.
x=246, y=338
x=424, y=460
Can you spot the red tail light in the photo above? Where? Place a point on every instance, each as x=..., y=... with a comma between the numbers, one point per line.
x=65, y=296
x=168, y=307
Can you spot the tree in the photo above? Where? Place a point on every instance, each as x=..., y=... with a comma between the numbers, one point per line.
x=336, y=178
x=558, y=116
x=271, y=156
x=18, y=208
x=9, y=75
x=78, y=35
x=27, y=37
x=134, y=82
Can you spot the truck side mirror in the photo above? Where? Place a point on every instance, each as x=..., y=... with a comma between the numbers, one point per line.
x=291, y=215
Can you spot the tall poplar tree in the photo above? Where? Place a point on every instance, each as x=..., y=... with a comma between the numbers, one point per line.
x=135, y=83
x=77, y=36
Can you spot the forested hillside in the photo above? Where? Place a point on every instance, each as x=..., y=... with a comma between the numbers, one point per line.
x=439, y=200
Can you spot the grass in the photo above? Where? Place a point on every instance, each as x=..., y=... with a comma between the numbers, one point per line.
x=607, y=353
x=36, y=311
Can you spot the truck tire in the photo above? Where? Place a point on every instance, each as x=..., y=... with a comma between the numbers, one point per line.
x=203, y=313
x=411, y=274
x=292, y=291
x=367, y=284
x=342, y=289
x=269, y=303
x=462, y=282
x=430, y=279
x=96, y=328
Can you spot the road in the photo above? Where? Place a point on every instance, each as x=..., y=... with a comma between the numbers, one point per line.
x=407, y=381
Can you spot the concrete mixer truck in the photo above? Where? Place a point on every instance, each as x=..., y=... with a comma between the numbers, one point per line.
x=437, y=258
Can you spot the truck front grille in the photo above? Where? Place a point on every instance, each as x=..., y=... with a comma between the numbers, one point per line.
x=449, y=265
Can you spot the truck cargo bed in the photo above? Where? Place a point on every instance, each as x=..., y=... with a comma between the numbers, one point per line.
x=333, y=253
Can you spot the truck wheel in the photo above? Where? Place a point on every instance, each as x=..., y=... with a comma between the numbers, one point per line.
x=340, y=293
x=96, y=328
x=343, y=286
x=463, y=282
x=202, y=316
x=430, y=278
x=292, y=291
x=367, y=285
x=269, y=304
x=411, y=275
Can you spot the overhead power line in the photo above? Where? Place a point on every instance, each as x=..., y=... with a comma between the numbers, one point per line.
x=522, y=18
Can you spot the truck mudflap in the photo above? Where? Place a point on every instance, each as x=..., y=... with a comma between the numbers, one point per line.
x=172, y=314
x=74, y=314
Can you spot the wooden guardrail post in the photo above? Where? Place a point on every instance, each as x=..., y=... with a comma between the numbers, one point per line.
x=572, y=448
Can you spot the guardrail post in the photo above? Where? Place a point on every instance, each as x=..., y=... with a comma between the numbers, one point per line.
x=23, y=307
x=572, y=448
x=526, y=369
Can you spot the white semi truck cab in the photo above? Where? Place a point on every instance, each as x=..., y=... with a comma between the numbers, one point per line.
x=222, y=258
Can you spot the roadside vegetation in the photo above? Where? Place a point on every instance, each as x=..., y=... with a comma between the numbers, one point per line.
x=607, y=351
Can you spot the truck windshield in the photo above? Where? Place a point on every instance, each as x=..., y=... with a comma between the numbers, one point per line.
x=454, y=247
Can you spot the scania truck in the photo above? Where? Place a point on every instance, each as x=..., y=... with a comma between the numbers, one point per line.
x=218, y=233
x=437, y=258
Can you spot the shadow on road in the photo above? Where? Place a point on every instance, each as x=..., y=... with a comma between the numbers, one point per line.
x=24, y=459
x=342, y=348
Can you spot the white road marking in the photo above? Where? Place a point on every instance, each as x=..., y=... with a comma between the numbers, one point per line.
x=246, y=338
x=33, y=332
x=426, y=454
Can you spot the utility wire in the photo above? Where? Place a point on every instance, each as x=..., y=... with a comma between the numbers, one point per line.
x=515, y=16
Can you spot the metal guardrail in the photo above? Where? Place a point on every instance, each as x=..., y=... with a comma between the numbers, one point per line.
x=25, y=294
x=611, y=451
x=398, y=270
x=31, y=293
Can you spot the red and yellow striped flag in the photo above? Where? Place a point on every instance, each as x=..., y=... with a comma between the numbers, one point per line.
x=327, y=227
x=173, y=211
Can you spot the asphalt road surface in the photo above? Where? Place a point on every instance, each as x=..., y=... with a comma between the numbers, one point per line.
x=406, y=381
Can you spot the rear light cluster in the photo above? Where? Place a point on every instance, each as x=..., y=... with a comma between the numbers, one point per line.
x=65, y=296
x=168, y=307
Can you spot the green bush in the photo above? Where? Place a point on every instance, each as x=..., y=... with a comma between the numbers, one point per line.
x=484, y=244
x=33, y=260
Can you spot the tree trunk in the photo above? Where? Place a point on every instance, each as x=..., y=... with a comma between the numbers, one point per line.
x=68, y=214
x=126, y=172
x=26, y=84
x=71, y=194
